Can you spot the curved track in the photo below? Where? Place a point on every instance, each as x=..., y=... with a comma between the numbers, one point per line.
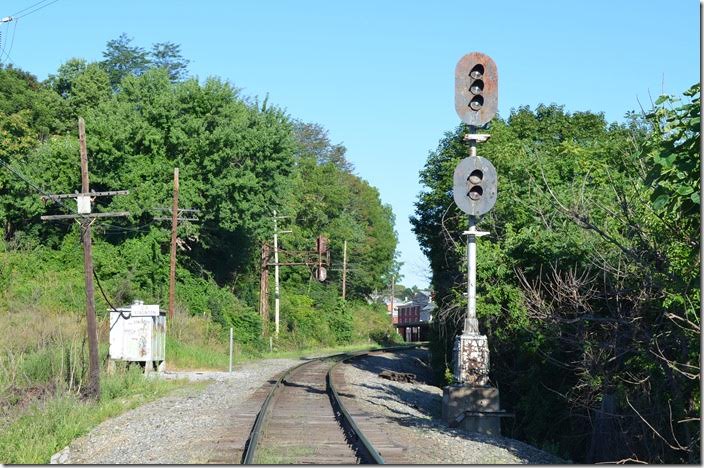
x=303, y=420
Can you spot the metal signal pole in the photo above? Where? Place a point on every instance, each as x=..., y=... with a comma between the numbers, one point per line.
x=344, y=270
x=471, y=325
x=276, y=277
x=474, y=191
x=277, y=291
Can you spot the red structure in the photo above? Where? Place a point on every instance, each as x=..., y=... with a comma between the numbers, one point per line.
x=408, y=313
x=408, y=323
x=413, y=318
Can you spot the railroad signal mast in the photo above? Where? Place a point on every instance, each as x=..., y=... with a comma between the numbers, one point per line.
x=474, y=192
x=321, y=248
x=471, y=398
x=319, y=266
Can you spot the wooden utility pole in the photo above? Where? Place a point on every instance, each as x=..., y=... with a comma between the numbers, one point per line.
x=86, y=218
x=175, y=218
x=172, y=266
x=264, y=289
x=94, y=369
x=344, y=270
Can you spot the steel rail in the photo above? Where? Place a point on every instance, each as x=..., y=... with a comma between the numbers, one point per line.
x=255, y=433
x=372, y=453
x=251, y=447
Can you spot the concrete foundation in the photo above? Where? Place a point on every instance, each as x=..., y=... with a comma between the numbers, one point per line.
x=471, y=403
x=479, y=405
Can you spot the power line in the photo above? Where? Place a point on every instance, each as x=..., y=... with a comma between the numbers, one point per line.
x=37, y=188
x=14, y=18
x=31, y=184
x=35, y=10
x=27, y=8
x=12, y=42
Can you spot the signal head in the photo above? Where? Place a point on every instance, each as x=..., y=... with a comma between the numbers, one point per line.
x=476, y=89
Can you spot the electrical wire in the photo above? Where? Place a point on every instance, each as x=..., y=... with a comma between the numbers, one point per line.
x=12, y=42
x=102, y=292
x=38, y=189
x=35, y=10
x=27, y=8
x=31, y=184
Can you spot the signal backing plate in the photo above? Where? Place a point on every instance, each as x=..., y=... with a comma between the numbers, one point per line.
x=461, y=186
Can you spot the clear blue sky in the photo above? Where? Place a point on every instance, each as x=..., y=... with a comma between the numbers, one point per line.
x=379, y=75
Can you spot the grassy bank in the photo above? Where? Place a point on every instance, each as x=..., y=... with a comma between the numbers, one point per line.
x=43, y=371
x=46, y=425
x=44, y=353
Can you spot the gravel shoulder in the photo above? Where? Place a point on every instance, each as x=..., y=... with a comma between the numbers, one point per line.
x=185, y=427
x=196, y=425
x=414, y=409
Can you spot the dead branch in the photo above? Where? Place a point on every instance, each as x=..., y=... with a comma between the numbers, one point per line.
x=673, y=447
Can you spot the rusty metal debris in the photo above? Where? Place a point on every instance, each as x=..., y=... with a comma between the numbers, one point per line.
x=398, y=376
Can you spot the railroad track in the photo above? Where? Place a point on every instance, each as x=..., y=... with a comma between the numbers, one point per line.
x=303, y=419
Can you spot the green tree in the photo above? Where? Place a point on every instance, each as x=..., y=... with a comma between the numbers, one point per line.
x=326, y=198
x=168, y=55
x=121, y=59
x=62, y=81
x=583, y=289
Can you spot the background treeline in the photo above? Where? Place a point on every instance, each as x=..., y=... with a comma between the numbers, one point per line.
x=239, y=160
x=589, y=282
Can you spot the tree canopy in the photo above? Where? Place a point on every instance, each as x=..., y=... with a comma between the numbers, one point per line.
x=588, y=286
x=238, y=160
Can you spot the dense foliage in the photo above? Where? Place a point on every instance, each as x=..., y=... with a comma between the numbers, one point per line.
x=239, y=161
x=589, y=282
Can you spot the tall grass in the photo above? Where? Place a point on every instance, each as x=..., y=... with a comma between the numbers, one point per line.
x=44, y=354
x=40, y=349
x=46, y=426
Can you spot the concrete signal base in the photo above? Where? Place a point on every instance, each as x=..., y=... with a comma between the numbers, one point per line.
x=475, y=409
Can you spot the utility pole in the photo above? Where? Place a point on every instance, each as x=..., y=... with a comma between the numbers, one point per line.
x=344, y=270
x=277, y=291
x=172, y=264
x=94, y=386
x=264, y=288
x=84, y=201
x=393, y=292
x=276, y=277
x=175, y=218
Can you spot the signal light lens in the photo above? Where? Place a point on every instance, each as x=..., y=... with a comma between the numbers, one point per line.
x=476, y=103
x=477, y=71
x=475, y=193
x=477, y=87
x=476, y=176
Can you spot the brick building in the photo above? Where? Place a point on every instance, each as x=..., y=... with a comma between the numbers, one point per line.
x=413, y=318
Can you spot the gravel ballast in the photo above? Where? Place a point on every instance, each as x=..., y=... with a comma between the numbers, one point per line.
x=193, y=425
x=182, y=428
x=415, y=409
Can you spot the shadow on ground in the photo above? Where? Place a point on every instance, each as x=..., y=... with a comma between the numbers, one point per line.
x=428, y=403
